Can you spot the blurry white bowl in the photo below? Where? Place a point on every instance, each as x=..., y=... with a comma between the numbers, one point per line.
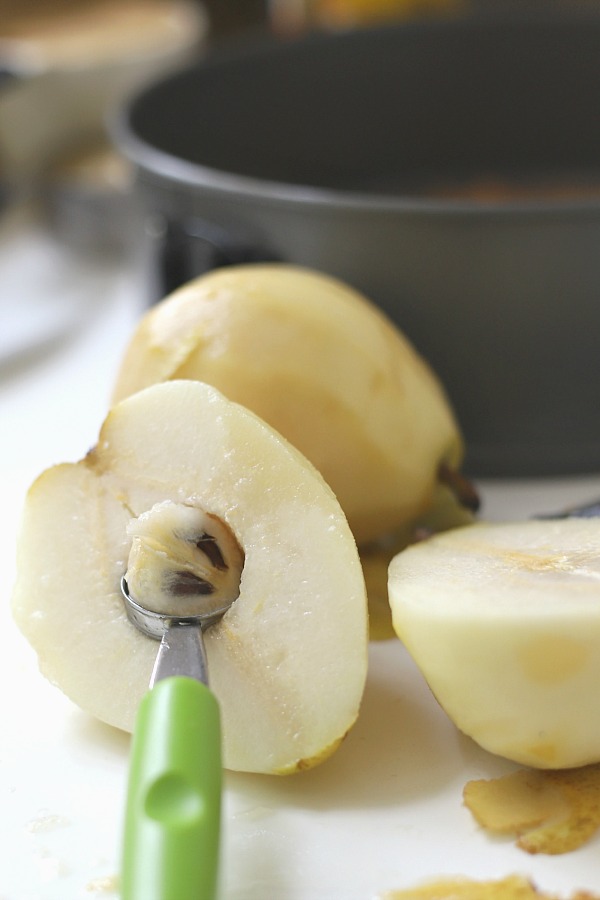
x=68, y=71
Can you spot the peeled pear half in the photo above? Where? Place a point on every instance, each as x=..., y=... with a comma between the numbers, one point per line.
x=324, y=367
x=503, y=620
x=181, y=474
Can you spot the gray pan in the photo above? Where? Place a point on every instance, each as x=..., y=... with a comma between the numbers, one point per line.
x=449, y=169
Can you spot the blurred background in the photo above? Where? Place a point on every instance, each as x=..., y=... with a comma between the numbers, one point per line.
x=68, y=210
x=64, y=64
x=73, y=277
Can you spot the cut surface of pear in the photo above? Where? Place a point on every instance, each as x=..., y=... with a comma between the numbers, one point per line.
x=288, y=659
x=323, y=366
x=503, y=621
x=445, y=512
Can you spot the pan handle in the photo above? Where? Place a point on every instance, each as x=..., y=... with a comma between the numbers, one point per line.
x=187, y=248
x=6, y=76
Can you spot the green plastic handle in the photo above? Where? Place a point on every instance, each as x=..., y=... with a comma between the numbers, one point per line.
x=173, y=809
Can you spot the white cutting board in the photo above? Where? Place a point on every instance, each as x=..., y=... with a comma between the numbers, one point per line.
x=385, y=812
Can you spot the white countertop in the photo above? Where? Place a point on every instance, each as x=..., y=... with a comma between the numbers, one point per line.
x=385, y=812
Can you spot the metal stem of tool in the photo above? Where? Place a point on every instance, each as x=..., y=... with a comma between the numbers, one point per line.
x=182, y=647
x=172, y=817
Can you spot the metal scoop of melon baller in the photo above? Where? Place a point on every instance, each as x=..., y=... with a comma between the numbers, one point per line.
x=173, y=808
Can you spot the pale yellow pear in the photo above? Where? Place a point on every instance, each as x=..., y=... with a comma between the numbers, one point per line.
x=324, y=367
x=287, y=661
x=504, y=622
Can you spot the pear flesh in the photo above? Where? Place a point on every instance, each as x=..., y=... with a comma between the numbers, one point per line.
x=323, y=366
x=503, y=621
x=288, y=659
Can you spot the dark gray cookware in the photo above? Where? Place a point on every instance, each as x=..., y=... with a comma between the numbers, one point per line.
x=336, y=152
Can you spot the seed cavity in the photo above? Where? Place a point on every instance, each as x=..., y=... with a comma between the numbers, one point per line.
x=183, y=560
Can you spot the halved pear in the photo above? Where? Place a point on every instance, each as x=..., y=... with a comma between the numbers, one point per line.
x=177, y=466
x=324, y=367
x=445, y=512
x=504, y=622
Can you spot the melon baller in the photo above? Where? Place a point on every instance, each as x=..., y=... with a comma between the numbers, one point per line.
x=173, y=808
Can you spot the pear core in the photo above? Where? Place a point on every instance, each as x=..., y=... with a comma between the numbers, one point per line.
x=183, y=561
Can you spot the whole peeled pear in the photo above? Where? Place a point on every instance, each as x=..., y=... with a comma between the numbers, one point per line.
x=324, y=367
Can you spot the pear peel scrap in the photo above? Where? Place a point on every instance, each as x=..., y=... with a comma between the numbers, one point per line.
x=550, y=812
x=514, y=887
